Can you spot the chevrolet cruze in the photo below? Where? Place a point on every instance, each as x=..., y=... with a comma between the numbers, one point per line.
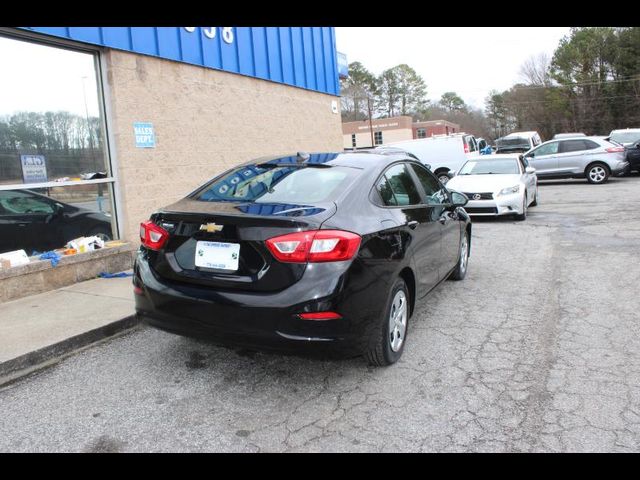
x=323, y=251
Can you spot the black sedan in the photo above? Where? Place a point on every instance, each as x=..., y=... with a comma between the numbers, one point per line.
x=633, y=155
x=312, y=251
x=31, y=221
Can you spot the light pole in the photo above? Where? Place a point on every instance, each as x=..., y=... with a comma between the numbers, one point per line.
x=370, y=123
x=93, y=156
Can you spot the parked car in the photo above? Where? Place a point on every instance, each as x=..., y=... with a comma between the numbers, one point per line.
x=625, y=136
x=496, y=185
x=593, y=158
x=518, y=142
x=31, y=221
x=632, y=155
x=558, y=136
x=270, y=254
x=445, y=153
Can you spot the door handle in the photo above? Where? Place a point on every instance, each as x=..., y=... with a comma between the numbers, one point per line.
x=412, y=224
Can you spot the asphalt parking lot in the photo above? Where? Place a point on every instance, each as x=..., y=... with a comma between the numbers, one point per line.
x=538, y=349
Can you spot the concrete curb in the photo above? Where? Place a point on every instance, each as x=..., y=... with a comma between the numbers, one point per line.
x=23, y=365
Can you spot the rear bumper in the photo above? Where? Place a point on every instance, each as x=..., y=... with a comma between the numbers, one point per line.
x=621, y=168
x=256, y=319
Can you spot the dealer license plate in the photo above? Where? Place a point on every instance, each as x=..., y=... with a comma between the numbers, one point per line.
x=222, y=256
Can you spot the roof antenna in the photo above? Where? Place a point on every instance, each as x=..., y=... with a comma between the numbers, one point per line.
x=303, y=157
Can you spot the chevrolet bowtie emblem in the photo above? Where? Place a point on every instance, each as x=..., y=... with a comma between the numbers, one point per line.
x=211, y=227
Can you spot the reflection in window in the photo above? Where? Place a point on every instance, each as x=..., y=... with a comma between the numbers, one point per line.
x=47, y=218
x=49, y=110
x=401, y=185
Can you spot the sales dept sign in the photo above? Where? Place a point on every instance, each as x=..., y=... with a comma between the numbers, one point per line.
x=34, y=168
x=145, y=136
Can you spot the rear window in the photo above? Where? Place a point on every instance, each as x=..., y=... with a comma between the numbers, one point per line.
x=278, y=185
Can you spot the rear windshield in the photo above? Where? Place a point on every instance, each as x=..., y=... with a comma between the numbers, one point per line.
x=278, y=185
x=485, y=167
x=625, y=137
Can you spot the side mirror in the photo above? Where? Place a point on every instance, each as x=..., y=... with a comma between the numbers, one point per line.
x=458, y=199
x=530, y=170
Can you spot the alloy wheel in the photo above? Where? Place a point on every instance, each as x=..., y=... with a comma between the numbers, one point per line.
x=398, y=321
x=464, y=254
x=597, y=174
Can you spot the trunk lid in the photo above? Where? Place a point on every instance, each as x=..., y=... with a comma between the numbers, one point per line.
x=246, y=225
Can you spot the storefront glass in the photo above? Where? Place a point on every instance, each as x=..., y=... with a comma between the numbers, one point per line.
x=55, y=176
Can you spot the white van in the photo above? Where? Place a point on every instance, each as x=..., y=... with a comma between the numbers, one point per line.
x=444, y=153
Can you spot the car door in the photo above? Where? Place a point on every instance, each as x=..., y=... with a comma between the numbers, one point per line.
x=441, y=210
x=544, y=159
x=400, y=193
x=529, y=179
x=24, y=221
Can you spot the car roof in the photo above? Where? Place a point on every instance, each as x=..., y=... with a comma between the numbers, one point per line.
x=626, y=130
x=521, y=134
x=569, y=135
x=363, y=159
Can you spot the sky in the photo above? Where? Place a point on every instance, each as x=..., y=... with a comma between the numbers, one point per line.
x=37, y=78
x=470, y=61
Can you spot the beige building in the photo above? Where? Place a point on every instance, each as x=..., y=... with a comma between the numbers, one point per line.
x=101, y=126
x=206, y=121
x=365, y=134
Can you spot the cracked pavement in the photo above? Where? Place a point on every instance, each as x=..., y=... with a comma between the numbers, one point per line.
x=538, y=349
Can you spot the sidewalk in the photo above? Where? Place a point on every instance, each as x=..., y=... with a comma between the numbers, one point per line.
x=37, y=330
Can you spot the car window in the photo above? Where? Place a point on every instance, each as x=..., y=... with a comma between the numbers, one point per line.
x=396, y=187
x=548, y=149
x=434, y=193
x=16, y=203
x=567, y=146
x=471, y=144
x=590, y=145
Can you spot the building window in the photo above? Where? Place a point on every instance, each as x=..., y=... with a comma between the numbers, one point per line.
x=421, y=132
x=55, y=175
x=353, y=140
x=377, y=137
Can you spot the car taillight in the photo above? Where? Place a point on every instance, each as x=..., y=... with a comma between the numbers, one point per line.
x=314, y=246
x=615, y=149
x=152, y=236
x=466, y=148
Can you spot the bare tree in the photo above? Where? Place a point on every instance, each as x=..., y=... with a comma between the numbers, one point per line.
x=535, y=70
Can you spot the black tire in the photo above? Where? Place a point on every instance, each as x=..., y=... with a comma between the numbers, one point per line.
x=461, y=267
x=378, y=349
x=523, y=215
x=597, y=173
x=535, y=199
